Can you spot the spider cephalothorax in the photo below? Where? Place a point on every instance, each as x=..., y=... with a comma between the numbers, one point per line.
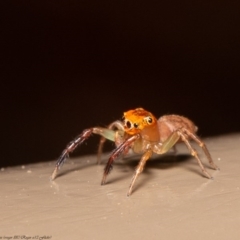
x=138, y=119
x=144, y=134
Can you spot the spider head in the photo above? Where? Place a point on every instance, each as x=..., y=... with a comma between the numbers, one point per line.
x=137, y=120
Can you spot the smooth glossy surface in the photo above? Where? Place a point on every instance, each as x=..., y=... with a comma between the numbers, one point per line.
x=172, y=199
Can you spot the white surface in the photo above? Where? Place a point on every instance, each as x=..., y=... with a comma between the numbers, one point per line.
x=171, y=198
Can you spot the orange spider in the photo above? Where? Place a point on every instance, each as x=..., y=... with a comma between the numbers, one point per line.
x=143, y=133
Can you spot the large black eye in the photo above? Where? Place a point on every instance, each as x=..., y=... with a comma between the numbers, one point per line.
x=135, y=125
x=128, y=124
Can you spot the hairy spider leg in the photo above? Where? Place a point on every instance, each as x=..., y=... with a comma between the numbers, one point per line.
x=139, y=169
x=167, y=144
x=204, y=148
x=106, y=133
x=162, y=148
x=157, y=148
x=120, y=149
x=184, y=134
x=193, y=152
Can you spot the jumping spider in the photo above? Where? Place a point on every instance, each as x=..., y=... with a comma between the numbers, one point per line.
x=144, y=134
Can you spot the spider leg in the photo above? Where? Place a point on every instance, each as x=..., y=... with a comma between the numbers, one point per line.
x=167, y=144
x=119, y=126
x=193, y=152
x=204, y=148
x=106, y=133
x=139, y=169
x=120, y=149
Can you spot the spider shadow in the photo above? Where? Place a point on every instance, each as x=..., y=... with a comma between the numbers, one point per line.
x=162, y=162
x=77, y=167
x=129, y=164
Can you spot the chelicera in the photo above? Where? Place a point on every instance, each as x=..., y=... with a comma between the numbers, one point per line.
x=140, y=131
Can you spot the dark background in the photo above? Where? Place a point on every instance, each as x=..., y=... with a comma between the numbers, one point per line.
x=70, y=65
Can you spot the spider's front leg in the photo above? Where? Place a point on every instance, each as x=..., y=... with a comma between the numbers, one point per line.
x=119, y=150
x=104, y=132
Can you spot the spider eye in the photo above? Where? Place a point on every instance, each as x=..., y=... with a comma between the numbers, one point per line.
x=149, y=120
x=135, y=125
x=129, y=124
